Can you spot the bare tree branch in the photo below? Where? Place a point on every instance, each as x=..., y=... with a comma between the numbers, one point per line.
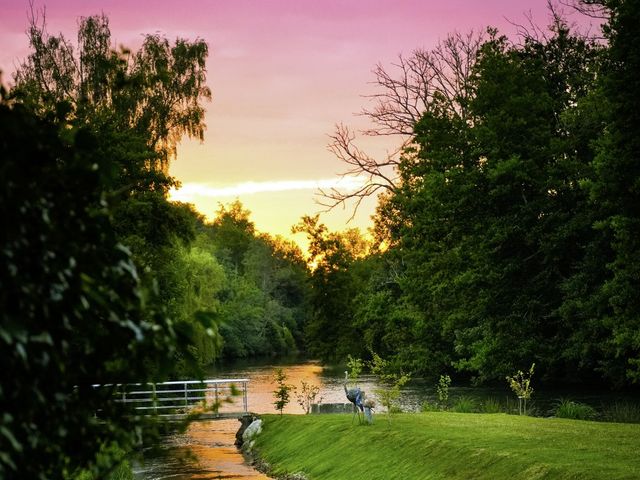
x=591, y=8
x=427, y=78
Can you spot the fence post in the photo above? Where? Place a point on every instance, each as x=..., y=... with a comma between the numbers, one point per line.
x=244, y=395
x=186, y=396
x=154, y=399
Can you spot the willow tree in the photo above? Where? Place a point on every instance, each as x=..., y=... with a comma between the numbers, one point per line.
x=155, y=92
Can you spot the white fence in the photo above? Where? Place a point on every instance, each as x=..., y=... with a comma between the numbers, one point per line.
x=183, y=397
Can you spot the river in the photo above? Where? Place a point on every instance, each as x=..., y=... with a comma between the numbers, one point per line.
x=207, y=451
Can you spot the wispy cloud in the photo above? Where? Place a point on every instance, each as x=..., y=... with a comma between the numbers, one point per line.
x=189, y=191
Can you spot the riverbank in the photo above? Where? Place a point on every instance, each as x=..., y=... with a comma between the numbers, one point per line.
x=443, y=445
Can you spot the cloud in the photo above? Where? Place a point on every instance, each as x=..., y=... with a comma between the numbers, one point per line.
x=189, y=191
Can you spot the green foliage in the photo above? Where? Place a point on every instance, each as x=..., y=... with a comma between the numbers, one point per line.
x=615, y=195
x=511, y=232
x=73, y=311
x=282, y=393
x=622, y=412
x=566, y=408
x=511, y=228
x=429, y=407
x=465, y=404
x=431, y=445
x=115, y=462
x=264, y=302
x=491, y=405
x=138, y=106
x=355, y=366
x=89, y=228
x=442, y=389
x=154, y=92
x=336, y=279
x=390, y=382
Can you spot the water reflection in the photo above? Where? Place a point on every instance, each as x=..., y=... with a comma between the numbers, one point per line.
x=261, y=385
x=205, y=451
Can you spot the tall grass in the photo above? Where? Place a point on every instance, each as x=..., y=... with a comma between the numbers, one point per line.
x=491, y=405
x=566, y=408
x=464, y=404
x=428, y=406
x=621, y=412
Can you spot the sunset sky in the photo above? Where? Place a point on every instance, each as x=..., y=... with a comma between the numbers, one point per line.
x=283, y=73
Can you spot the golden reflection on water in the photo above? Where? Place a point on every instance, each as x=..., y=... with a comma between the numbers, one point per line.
x=261, y=386
x=211, y=443
x=207, y=451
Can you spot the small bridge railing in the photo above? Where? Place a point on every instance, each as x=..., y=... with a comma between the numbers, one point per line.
x=184, y=397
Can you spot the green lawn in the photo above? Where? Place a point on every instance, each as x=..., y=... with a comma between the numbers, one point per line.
x=444, y=445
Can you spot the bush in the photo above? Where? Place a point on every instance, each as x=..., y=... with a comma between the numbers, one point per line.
x=491, y=405
x=443, y=391
x=464, y=404
x=427, y=406
x=73, y=311
x=574, y=410
x=622, y=412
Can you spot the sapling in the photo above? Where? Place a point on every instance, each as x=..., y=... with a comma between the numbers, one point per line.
x=355, y=366
x=520, y=383
x=390, y=383
x=443, y=391
x=281, y=393
x=307, y=395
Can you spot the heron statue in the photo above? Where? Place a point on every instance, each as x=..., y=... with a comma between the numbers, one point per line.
x=356, y=396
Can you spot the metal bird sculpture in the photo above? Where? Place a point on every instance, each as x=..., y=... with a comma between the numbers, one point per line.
x=355, y=396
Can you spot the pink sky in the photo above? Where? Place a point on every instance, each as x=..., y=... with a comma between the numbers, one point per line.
x=283, y=73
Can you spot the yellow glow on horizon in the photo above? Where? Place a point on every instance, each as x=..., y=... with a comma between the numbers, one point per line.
x=275, y=206
x=188, y=191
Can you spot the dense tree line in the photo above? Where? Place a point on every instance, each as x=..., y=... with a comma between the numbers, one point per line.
x=257, y=285
x=510, y=232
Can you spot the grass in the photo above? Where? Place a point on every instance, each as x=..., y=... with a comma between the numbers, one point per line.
x=566, y=408
x=491, y=405
x=464, y=404
x=445, y=445
x=623, y=412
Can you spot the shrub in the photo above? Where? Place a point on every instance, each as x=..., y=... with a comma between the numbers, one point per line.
x=389, y=382
x=622, y=412
x=464, y=404
x=443, y=391
x=565, y=408
x=427, y=406
x=491, y=405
